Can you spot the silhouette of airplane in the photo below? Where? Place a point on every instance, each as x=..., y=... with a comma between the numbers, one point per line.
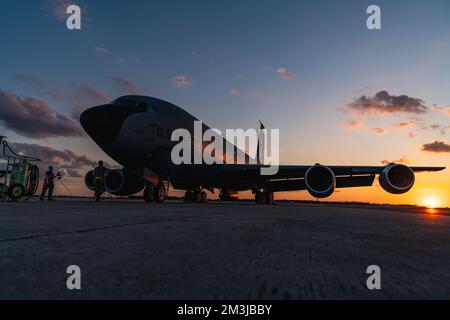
x=136, y=132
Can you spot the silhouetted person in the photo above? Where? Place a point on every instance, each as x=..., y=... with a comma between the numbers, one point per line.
x=49, y=184
x=99, y=180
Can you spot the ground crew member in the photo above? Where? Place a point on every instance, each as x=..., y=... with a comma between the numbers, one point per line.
x=99, y=180
x=49, y=184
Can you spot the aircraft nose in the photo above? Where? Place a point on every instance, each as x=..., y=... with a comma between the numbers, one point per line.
x=103, y=123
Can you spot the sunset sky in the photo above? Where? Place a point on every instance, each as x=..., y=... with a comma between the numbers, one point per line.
x=339, y=93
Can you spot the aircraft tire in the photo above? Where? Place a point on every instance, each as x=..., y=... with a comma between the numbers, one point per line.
x=149, y=195
x=159, y=193
x=203, y=197
x=269, y=198
x=188, y=196
x=197, y=198
x=259, y=197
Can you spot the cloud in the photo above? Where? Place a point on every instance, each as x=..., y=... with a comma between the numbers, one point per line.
x=353, y=124
x=384, y=103
x=181, y=81
x=34, y=118
x=127, y=85
x=378, y=130
x=412, y=135
x=247, y=94
x=421, y=123
x=41, y=85
x=93, y=93
x=79, y=93
x=58, y=8
x=403, y=125
x=441, y=108
x=76, y=112
x=73, y=173
x=63, y=159
x=437, y=147
x=442, y=129
x=285, y=73
x=403, y=160
x=101, y=49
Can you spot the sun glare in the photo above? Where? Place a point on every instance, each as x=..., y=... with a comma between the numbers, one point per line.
x=431, y=202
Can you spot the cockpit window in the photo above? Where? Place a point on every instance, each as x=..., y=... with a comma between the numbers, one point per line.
x=139, y=105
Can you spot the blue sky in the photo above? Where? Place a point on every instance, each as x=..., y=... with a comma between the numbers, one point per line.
x=228, y=53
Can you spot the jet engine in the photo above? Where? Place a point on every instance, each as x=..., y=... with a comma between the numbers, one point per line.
x=396, y=178
x=320, y=181
x=124, y=182
x=89, y=180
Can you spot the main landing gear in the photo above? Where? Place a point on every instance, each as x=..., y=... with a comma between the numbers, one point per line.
x=264, y=197
x=155, y=193
x=195, y=196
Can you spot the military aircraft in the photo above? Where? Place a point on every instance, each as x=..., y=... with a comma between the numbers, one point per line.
x=136, y=132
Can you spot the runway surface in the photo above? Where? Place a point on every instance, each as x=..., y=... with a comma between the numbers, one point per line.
x=134, y=250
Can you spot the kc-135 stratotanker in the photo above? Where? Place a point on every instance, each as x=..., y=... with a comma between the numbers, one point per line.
x=136, y=132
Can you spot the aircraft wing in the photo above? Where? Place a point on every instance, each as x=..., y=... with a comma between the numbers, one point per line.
x=291, y=177
x=292, y=171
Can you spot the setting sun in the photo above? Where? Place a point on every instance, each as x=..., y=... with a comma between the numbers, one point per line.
x=431, y=202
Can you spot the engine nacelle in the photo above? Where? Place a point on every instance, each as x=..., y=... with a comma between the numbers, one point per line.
x=89, y=180
x=396, y=178
x=123, y=182
x=320, y=181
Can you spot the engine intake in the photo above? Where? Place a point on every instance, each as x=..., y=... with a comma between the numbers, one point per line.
x=396, y=178
x=89, y=180
x=320, y=181
x=123, y=182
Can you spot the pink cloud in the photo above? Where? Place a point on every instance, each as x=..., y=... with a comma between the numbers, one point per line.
x=412, y=135
x=181, y=82
x=41, y=85
x=127, y=85
x=93, y=93
x=441, y=108
x=285, y=73
x=34, y=118
x=58, y=8
x=403, y=125
x=353, y=124
x=378, y=130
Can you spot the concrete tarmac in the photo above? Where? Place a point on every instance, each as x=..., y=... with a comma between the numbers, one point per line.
x=133, y=250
